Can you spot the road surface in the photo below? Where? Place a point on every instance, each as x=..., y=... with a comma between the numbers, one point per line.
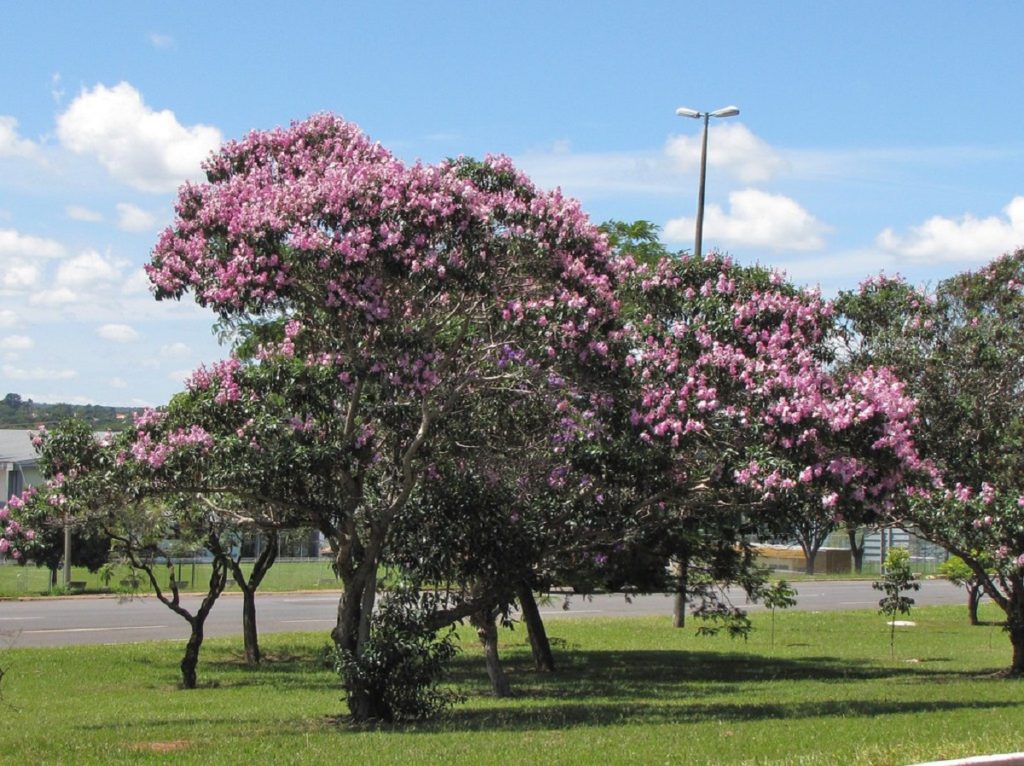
x=105, y=620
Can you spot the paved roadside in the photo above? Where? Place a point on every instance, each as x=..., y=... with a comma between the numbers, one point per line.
x=104, y=619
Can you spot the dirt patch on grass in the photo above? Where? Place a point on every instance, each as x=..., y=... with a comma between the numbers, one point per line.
x=162, y=747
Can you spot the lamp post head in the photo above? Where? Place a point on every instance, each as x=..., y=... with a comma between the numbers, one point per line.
x=725, y=111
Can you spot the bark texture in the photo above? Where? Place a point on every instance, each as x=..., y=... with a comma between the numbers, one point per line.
x=543, y=659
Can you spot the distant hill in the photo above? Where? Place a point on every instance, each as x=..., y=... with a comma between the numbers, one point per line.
x=16, y=412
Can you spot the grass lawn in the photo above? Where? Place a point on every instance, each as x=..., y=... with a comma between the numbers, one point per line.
x=630, y=691
x=283, y=576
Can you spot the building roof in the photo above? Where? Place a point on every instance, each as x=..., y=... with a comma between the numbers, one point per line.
x=16, y=446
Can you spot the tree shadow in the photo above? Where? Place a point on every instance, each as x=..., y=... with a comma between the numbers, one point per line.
x=646, y=673
x=614, y=713
x=601, y=688
x=286, y=667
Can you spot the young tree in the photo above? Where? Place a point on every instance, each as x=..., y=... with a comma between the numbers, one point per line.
x=141, y=530
x=248, y=585
x=780, y=595
x=897, y=579
x=91, y=483
x=961, y=350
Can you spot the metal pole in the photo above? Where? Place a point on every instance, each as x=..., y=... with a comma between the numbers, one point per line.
x=67, y=553
x=699, y=235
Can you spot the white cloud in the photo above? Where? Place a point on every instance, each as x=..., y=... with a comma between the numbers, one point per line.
x=755, y=219
x=136, y=284
x=60, y=296
x=837, y=270
x=79, y=213
x=37, y=373
x=176, y=350
x=19, y=276
x=731, y=147
x=11, y=144
x=8, y=318
x=56, y=89
x=158, y=40
x=146, y=149
x=596, y=173
x=117, y=383
x=180, y=376
x=132, y=218
x=86, y=270
x=16, y=342
x=117, y=333
x=21, y=245
x=966, y=238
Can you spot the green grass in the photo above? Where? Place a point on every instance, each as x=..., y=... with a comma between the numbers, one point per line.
x=630, y=691
x=29, y=580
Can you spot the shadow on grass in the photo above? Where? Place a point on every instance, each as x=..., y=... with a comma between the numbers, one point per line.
x=612, y=714
x=608, y=688
x=602, y=688
x=286, y=666
x=646, y=673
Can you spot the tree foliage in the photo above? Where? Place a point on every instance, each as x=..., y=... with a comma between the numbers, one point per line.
x=445, y=369
x=960, y=348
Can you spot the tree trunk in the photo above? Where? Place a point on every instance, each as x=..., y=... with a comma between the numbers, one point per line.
x=1016, y=631
x=856, y=551
x=543, y=660
x=364, y=706
x=350, y=634
x=191, y=658
x=366, y=608
x=218, y=579
x=973, y=599
x=682, y=583
x=264, y=561
x=809, y=558
x=250, y=634
x=346, y=630
x=487, y=631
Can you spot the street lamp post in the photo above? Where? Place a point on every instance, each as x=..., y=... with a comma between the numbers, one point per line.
x=727, y=111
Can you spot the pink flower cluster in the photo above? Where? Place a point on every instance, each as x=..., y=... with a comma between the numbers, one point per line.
x=748, y=359
x=318, y=221
x=154, y=452
x=986, y=519
x=220, y=376
x=14, y=534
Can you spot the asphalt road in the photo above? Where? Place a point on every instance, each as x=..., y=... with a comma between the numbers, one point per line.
x=105, y=620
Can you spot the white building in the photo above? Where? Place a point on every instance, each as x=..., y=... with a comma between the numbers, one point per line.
x=19, y=463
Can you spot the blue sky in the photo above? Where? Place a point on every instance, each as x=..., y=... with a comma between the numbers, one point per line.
x=872, y=135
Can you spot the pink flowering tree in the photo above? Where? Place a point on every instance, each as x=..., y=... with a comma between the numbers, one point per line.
x=91, y=486
x=15, y=535
x=724, y=421
x=960, y=348
x=410, y=287
x=735, y=384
